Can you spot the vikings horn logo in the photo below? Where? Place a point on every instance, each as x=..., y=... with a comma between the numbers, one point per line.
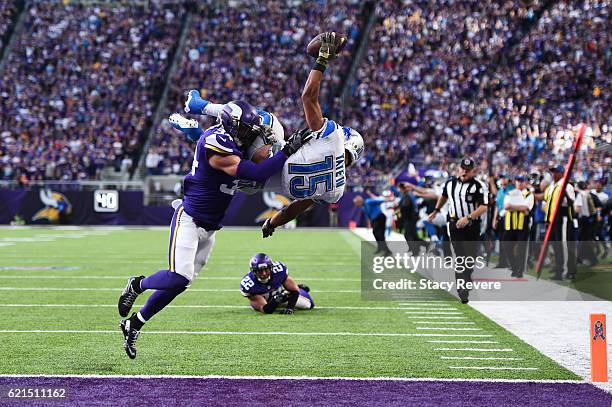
x=599, y=331
x=57, y=208
x=275, y=203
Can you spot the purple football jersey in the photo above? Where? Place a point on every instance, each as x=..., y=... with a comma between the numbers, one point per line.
x=208, y=192
x=250, y=285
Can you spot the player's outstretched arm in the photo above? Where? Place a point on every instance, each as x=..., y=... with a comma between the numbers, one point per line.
x=245, y=169
x=310, y=94
x=258, y=302
x=294, y=294
x=287, y=214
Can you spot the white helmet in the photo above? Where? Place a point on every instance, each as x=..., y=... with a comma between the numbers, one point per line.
x=353, y=143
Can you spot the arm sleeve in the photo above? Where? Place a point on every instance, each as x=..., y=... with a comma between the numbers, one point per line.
x=213, y=109
x=292, y=299
x=262, y=171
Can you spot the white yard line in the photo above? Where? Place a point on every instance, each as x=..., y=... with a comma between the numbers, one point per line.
x=444, y=322
x=476, y=358
x=436, y=312
x=434, y=317
x=493, y=368
x=383, y=334
x=473, y=350
x=118, y=290
x=124, y=277
x=377, y=378
x=442, y=328
x=464, y=342
x=181, y=306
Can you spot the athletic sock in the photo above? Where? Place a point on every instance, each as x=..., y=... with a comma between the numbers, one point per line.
x=158, y=301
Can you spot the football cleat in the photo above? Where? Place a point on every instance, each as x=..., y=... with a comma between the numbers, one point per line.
x=304, y=287
x=194, y=103
x=190, y=127
x=128, y=296
x=130, y=335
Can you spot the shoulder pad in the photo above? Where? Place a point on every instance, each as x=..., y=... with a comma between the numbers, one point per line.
x=221, y=142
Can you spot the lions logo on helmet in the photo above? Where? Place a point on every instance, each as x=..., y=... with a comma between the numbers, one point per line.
x=353, y=143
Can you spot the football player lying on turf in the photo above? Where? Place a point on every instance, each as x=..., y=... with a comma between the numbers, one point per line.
x=209, y=188
x=268, y=285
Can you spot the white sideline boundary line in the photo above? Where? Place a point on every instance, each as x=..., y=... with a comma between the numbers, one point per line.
x=474, y=349
x=493, y=368
x=435, y=313
x=440, y=328
x=445, y=322
x=118, y=290
x=435, y=317
x=125, y=277
x=180, y=306
x=476, y=358
x=343, y=378
x=465, y=342
x=382, y=334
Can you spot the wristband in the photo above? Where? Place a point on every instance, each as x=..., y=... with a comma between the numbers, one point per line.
x=319, y=66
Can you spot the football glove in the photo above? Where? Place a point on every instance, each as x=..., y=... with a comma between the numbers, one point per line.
x=267, y=229
x=297, y=140
x=279, y=297
x=267, y=134
x=287, y=311
x=249, y=187
x=327, y=50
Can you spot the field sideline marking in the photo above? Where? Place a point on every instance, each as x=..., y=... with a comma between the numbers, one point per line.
x=477, y=358
x=493, y=368
x=66, y=331
x=177, y=306
x=118, y=290
x=440, y=341
x=124, y=277
x=434, y=317
x=440, y=328
x=435, y=312
x=343, y=378
x=475, y=349
x=445, y=322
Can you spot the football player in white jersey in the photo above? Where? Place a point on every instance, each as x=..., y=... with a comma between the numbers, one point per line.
x=317, y=171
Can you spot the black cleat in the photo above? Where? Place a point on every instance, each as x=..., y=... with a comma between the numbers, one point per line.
x=131, y=335
x=463, y=296
x=128, y=296
x=304, y=287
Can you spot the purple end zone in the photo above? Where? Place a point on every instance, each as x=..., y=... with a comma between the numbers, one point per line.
x=263, y=392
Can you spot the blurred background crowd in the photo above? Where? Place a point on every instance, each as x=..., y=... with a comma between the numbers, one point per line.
x=425, y=82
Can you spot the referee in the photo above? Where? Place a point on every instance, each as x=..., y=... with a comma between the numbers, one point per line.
x=468, y=200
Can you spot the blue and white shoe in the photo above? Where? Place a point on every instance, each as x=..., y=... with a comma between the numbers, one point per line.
x=190, y=127
x=194, y=103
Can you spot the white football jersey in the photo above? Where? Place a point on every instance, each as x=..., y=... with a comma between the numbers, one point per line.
x=317, y=170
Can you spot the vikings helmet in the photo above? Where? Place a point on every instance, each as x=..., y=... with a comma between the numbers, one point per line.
x=261, y=267
x=353, y=143
x=241, y=121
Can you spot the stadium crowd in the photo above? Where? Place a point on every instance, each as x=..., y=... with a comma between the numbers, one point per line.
x=267, y=66
x=8, y=14
x=439, y=80
x=78, y=89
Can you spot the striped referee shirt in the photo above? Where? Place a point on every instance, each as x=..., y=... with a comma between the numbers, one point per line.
x=464, y=197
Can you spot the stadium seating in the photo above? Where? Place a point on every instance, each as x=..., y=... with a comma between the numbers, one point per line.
x=78, y=89
x=8, y=16
x=265, y=64
x=439, y=80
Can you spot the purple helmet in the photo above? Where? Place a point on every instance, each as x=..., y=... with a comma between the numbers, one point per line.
x=261, y=267
x=241, y=121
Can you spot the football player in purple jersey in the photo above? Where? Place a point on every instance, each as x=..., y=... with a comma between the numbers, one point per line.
x=209, y=187
x=269, y=285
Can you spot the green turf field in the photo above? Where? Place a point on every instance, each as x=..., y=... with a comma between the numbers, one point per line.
x=69, y=280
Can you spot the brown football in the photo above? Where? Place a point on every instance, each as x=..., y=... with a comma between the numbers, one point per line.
x=313, y=46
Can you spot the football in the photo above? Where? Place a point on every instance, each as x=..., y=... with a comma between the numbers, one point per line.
x=313, y=46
